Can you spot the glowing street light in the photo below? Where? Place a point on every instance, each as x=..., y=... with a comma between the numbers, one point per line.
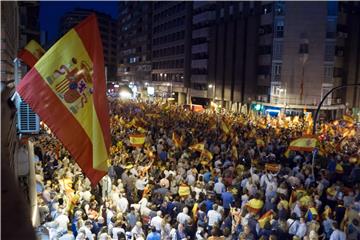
x=210, y=86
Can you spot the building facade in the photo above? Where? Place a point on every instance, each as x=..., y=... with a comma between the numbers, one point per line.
x=235, y=53
x=9, y=39
x=134, y=42
x=108, y=32
x=171, y=48
x=352, y=59
x=299, y=61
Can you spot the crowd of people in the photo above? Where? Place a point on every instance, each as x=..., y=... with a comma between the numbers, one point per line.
x=203, y=175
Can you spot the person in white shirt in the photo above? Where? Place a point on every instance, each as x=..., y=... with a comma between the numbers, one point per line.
x=337, y=234
x=297, y=209
x=62, y=220
x=116, y=230
x=157, y=221
x=293, y=225
x=214, y=216
x=183, y=217
x=190, y=179
x=137, y=231
x=219, y=187
x=301, y=230
x=87, y=230
x=122, y=203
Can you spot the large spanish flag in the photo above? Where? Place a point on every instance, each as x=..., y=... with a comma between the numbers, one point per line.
x=66, y=88
x=31, y=53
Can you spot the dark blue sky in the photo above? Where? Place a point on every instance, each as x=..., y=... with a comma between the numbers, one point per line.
x=51, y=12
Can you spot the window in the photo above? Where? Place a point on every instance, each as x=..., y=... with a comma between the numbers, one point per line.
x=266, y=9
x=222, y=12
x=279, y=28
x=231, y=10
x=328, y=73
x=329, y=51
x=279, y=8
x=276, y=72
x=277, y=52
x=331, y=28
x=326, y=87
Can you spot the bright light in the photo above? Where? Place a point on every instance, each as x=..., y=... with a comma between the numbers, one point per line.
x=210, y=85
x=165, y=75
x=125, y=95
x=116, y=85
x=167, y=84
x=151, y=91
x=257, y=107
x=173, y=93
x=146, y=83
x=272, y=110
x=160, y=74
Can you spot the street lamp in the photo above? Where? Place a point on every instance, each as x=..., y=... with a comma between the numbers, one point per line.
x=304, y=54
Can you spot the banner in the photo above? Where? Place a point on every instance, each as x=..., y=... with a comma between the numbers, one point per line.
x=66, y=88
x=31, y=53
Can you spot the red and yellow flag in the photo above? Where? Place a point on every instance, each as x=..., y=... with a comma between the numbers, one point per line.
x=31, y=53
x=197, y=147
x=177, y=140
x=66, y=88
x=348, y=118
x=207, y=154
x=224, y=127
x=266, y=217
x=137, y=140
x=306, y=144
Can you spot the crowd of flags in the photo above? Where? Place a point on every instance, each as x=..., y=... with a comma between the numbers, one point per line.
x=66, y=88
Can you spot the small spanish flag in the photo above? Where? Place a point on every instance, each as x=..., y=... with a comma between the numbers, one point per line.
x=137, y=140
x=348, y=118
x=177, y=140
x=207, y=154
x=260, y=142
x=199, y=147
x=266, y=217
x=67, y=89
x=224, y=127
x=31, y=53
x=306, y=144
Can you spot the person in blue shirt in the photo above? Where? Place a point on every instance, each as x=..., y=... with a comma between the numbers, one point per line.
x=227, y=199
x=154, y=235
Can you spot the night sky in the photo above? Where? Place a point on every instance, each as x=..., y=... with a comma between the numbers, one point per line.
x=51, y=12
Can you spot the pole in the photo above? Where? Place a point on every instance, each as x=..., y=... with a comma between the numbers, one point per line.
x=302, y=83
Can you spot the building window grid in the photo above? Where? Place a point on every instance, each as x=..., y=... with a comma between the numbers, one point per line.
x=279, y=28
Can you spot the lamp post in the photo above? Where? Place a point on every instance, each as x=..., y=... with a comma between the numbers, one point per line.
x=211, y=86
x=304, y=54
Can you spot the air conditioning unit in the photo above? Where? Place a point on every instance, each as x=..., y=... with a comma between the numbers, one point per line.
x=28, y=121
